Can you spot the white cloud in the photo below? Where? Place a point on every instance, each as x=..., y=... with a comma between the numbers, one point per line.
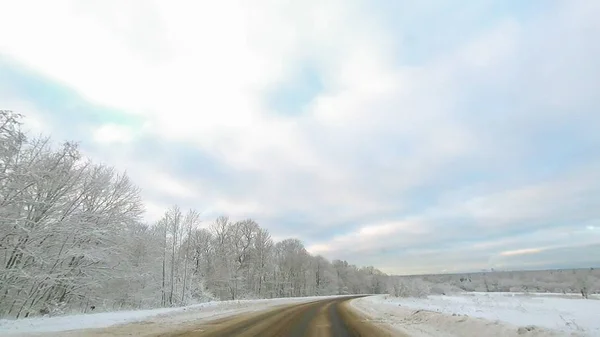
x=234, y=207
x=494, y=47
x=204, y=87
x=218, y=56
x=374, y=237
x=113, y=133
x=521, y=251
x=169, y=186
x=562, y=199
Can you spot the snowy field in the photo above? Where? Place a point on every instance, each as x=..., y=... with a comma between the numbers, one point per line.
x=209, y=310
x=487, y=314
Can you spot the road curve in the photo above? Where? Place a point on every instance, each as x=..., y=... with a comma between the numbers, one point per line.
x=323, y=318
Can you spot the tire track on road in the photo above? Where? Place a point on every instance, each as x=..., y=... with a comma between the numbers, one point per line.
x=324, y=318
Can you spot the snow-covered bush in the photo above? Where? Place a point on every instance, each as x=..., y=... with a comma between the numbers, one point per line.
x=410, y=287
x=444, y=289
x=416, y=286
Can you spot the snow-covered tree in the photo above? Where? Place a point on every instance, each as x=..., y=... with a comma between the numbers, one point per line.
x=72, y=239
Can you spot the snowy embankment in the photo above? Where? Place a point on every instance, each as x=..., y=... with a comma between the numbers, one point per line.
x=163, y=316
x=486, y=314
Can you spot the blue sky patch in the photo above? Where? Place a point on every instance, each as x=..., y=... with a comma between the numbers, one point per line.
x=291, y=97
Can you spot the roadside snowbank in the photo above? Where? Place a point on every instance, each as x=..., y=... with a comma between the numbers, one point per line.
x=209, y=310
x=489, y=314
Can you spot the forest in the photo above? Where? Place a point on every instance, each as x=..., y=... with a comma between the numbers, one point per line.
x=582, y=281
x=73, y=239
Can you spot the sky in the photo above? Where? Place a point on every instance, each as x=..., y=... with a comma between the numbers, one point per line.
x=416, y=136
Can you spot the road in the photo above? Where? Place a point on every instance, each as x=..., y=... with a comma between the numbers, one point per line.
x=324, y=318
x=329, y=317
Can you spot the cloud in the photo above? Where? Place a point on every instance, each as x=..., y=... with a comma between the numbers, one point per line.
x=412, y=136
x=521, y=251
x=489, y=229
x=111, y=133
x=374, y=237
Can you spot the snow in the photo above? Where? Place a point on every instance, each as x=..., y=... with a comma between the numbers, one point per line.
x=62, y=323
x=468, y=314
x=498, y=314
x=206, y=310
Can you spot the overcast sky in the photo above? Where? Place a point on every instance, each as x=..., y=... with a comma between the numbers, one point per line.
x=416, y=136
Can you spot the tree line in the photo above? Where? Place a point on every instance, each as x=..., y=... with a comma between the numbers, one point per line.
x=72, y=238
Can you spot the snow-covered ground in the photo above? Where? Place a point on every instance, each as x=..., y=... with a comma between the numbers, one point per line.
x=487, y=314
x=209, y=310
x=469, y=314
